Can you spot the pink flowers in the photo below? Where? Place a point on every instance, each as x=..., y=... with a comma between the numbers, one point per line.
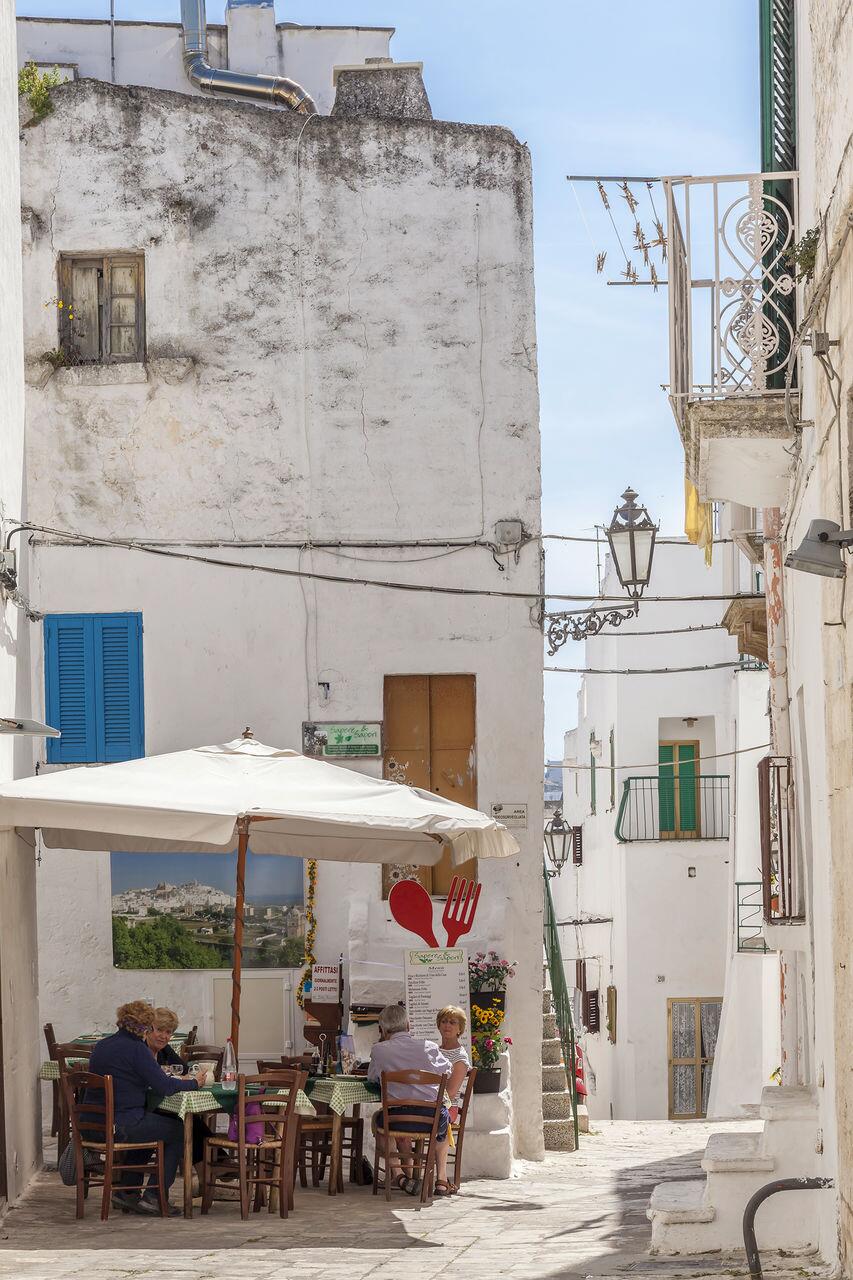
x=488, y=972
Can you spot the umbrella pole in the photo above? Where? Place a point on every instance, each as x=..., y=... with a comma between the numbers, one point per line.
x=239, y=912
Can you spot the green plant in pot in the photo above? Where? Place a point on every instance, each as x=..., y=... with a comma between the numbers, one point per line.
x=488, y=975
x=487, y=1045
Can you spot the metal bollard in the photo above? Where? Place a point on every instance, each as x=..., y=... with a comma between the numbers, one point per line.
x=770, y=1189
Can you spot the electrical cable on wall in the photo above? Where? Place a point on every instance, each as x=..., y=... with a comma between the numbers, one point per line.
x=719, y=755
x=641, y=671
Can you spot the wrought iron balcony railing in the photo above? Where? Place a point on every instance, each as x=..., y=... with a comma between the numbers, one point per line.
x=749, y=906
x=731, y=285
x=681, y=808
x=781, y=877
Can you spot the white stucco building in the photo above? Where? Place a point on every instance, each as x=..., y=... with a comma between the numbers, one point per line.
x=20, y=1141
x=769, y=429
x=304, y=344
x=660, y=909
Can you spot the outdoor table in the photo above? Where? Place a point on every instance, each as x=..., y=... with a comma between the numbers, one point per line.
x=193, y=1102
x=339, y=1093
x=49, y=1070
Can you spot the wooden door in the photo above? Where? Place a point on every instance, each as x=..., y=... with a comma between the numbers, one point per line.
x=693, y=1024
x=429, y=736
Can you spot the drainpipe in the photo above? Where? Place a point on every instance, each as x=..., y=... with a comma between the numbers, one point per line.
x=274, y=91
x=780, y=733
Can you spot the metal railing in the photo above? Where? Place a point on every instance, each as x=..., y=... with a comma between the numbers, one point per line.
x=749, y=907
x=731, y=285
x=674, y=808
x=780, y=872
x=561, y=998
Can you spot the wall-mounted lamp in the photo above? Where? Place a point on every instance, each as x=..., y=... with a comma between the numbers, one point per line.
x=558, y=843
x=820, y=550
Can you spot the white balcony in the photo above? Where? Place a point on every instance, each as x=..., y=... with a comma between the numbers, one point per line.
x=731, y=329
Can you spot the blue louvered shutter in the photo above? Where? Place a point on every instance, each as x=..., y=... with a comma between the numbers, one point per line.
x=70, y=688
x=94, y=692
x=118, y=681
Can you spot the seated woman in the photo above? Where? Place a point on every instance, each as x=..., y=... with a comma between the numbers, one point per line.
x=451, y=1023
x=399, y=1050
x=126, y=1057
x=165, y=1026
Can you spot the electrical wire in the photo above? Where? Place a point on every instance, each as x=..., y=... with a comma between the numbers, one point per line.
x=641, y=671
x=659, y=542
x=719, y=755
x=664, y=631
x=77, y=539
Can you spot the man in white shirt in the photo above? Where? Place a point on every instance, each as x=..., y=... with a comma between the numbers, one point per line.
x=399, y=1050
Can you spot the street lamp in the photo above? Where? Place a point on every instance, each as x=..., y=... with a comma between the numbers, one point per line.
x=631, y=536
x=558, y=843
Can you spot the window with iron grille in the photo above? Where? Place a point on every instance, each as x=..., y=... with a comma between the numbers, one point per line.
x=102, y=311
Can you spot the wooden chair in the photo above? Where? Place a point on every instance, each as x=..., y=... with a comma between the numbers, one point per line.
x=205, y=1053
x=264, y=1166
x=68, y=1057
x=50, y=1040
x=89, y=1102
x=192, y=1036
x=454, y=1155
x=408, y=1110
x=299, y=1063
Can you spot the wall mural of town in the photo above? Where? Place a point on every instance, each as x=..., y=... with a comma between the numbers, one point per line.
x=176, y=911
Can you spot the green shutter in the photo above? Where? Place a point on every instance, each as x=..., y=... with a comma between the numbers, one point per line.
x=778, y=87
x=666, y=789
x=688, y=818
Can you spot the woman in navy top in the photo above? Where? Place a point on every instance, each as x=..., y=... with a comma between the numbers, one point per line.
x=127, y=1058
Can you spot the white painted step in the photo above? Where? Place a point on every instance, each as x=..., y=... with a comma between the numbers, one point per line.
x=736, y=1153
x=788, y=1102
x=680, y=1202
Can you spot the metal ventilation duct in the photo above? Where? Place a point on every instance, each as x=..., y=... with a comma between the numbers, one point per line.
x=270, y=90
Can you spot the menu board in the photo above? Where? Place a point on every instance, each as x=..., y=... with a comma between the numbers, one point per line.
x=434, y=979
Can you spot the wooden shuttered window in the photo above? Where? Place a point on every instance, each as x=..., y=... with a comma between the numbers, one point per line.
x=577, y=846
x=678, y=790
x=590, y=1015
x=429, y=738
x=94, y=693
x=102, y=317
x=778, y=86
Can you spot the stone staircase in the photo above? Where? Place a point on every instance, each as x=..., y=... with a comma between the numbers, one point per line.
x=706, y=1214
x=556, y=1098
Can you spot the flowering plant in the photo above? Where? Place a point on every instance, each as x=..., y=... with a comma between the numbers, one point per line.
x=487, y=1049
x=487, y=972
x=489, y=1021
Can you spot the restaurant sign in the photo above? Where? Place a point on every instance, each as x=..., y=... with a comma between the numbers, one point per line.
x=325, y=984
x=434, y=979
x=331, y=740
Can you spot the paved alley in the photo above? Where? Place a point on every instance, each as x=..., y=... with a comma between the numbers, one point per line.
x=571, y=1216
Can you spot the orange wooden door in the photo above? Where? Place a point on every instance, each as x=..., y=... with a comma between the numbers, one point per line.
x=430, y=742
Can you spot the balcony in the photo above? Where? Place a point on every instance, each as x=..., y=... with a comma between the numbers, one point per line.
x=683, y=808
x=731, y=327
x=749, y=906
x=782, y=888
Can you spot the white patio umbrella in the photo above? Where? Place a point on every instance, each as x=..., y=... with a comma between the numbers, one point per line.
x=205, y=800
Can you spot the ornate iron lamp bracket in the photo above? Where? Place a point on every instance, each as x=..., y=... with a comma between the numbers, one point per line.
x=573, y=626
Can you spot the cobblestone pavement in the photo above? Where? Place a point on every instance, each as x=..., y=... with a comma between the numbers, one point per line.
x=570, y=1217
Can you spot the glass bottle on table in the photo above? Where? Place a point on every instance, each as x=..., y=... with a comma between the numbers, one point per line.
x=229, y=1067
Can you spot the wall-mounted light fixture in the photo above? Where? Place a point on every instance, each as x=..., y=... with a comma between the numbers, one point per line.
x=631, y=535
x=820, y=550
x=558, y=843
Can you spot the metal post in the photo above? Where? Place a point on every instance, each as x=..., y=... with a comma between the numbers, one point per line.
x=239, y=912
x=113, y=40
x=769, y=1189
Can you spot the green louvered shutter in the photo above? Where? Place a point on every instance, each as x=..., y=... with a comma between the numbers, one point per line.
x=666, y=789
x=688, y=818
x=778, y=87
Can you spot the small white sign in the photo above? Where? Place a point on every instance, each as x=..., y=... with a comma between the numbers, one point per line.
x=511, y=815
x=434, y=979
x=325, y=984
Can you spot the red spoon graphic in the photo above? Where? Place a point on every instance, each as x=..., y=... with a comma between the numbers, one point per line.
x=411, y=907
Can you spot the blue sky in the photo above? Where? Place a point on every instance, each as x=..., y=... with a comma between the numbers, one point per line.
x=264, y=876
x=608, y=88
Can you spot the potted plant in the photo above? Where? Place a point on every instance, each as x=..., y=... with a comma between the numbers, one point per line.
x=488, y=975
x=487, y=1050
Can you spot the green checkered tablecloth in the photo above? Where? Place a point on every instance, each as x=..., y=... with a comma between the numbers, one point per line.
x=50, y=1070
x=341, y=1092
x=194, y=1101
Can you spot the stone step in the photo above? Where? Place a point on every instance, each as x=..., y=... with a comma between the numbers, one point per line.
x=553, y=1078
x=552, y=1053
x=547, y=1006
x=680, y=1202
x=736, y=1153
x=557, y=1106
x=583, y=1119
x=788, y=1102
x=549, y=1026
x=559, y=1135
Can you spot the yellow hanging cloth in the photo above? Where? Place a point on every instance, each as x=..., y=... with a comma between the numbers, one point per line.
x=698, y=521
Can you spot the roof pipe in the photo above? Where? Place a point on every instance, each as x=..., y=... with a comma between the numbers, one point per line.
x=273, y=91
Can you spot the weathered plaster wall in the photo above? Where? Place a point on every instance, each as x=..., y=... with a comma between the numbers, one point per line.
x=18, y=967
x=341, y=345
x=150, y=53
